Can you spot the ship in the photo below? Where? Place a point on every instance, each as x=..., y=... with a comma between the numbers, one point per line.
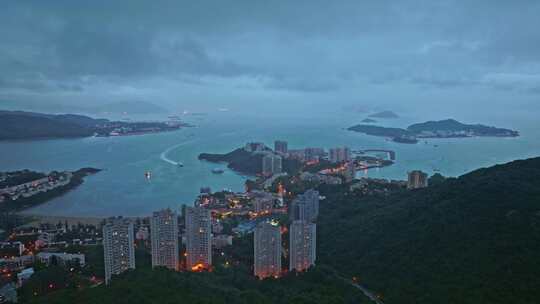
x=217, y=171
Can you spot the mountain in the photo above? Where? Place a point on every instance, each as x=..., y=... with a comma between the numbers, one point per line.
x=384, y=114
x=454, y=126
x=28, y=125
x=472, y=239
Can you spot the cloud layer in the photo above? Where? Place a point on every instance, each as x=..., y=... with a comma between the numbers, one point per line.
x=246, y=52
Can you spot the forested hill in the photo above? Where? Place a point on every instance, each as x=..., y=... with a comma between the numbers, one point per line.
x=27, y=125
x=474, y=239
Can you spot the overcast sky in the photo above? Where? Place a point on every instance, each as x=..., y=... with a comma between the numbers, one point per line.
x=266, y=55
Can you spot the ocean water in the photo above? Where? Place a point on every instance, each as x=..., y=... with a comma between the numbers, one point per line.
x=122, y=189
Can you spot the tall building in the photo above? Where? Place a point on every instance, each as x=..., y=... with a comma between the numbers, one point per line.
x=271, y=164
x=118, y=246
x=313, y=154
x=302, y=245
x=198, y=238
x=341, y=154
x=267, y=254
x=417, y=179
x=305, y=207
x=164, y=230
x=281, y=146
x=349, y=172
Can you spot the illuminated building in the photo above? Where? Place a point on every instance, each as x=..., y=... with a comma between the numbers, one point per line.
x=267, y=254
x=341, y=154
x=281, y=146
x=302, y=245
x=118, y=246
x=198, y=238
x=164, y=230
x=305, y=207
x=271, y=164
x=417, y=179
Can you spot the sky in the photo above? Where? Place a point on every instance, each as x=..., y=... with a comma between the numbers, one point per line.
x=273, y=57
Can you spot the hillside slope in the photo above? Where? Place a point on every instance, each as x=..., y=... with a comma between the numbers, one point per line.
x=474, y=239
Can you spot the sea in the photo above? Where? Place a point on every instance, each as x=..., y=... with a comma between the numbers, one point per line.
x=123, y=189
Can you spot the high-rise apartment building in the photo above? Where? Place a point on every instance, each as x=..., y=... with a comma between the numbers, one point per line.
x=272, y=164
x=341, y=154
x=118, y=246
x=267, y=253
x=305, y=207
x=164, y=239
x=281, y=146
x=198, y=238
x=302, y=245
x=417, y=179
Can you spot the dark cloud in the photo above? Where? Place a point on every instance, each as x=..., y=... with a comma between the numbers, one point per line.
x=344, y=48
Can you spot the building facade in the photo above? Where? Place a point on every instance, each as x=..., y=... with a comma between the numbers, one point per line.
x=164, y=239
x=302, y=245
x=305, y=207
x=267, y=253
x=198, y=238
x=340, y=154
x=417, y=179
x=281, y=146
x=118, y=246
x=272, y=164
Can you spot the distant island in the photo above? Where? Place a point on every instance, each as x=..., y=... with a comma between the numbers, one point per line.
x=384, y=114
x=25, y=189
x=448, y=128
x=368, y=120
x=17, y=125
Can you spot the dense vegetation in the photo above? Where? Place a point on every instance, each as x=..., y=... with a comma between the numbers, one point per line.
x=228, y=283
x=248, y=163
x=15, y=178
x=474, y=239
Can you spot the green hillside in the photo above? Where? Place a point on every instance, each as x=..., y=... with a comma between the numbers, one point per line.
x=474, y=239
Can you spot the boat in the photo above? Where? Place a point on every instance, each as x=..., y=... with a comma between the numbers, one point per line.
x=180, y=164
x=148, y=175
x=217, y=171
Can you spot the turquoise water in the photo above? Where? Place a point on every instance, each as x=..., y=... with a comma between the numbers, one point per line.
x=122, y=189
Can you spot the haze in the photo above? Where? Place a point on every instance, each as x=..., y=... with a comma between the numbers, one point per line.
x=272, y=57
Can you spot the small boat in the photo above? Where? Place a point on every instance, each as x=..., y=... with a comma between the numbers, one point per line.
x=179, y=164
x=217, y=171
x=148, y=175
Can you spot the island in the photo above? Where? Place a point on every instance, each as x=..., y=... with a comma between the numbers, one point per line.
x=384, y=114
x=18, y=125
x=448, y=128
x=25, y=189
x=368, y=120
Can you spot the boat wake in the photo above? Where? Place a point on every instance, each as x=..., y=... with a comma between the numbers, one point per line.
x=164, y=157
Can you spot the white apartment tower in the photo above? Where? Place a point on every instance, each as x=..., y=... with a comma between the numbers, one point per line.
x=302, y=245
x=164, y=237
x=267, y=254
x=198, y=238
x=118, y=246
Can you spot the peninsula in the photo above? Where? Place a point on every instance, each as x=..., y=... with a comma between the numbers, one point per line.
x=448, y=128
x=18, y=125
x=25, y=189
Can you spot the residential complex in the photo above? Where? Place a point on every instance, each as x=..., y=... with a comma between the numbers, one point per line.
x=118, y=246
x=302, y=245
x=198, y=238
x=417, y=179
x=267, y=255
x=164, y=238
